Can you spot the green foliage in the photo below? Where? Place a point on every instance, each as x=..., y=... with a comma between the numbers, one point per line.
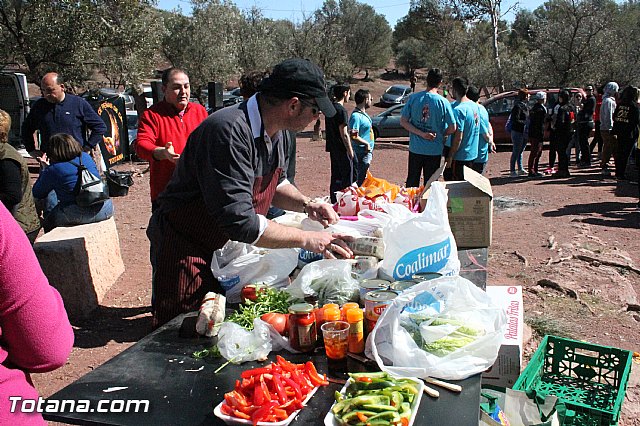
x=206, y=44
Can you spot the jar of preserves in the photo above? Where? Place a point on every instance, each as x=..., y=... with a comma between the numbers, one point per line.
x=302, y=327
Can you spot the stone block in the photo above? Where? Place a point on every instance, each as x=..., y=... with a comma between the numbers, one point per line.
x=82, y=263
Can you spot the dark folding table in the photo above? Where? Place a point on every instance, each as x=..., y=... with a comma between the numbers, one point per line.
x=182, y=390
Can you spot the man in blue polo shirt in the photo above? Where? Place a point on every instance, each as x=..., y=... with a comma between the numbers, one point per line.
x=60, y=112
x=485, y=141
x=428, y=118
x=464, y=146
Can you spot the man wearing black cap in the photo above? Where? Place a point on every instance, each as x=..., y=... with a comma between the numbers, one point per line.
x=230, y=172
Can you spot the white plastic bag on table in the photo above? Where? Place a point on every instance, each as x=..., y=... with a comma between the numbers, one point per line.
x=329, y=280
x=237, y=264
x=419, y=242
x=236, y=344
x=396, y=351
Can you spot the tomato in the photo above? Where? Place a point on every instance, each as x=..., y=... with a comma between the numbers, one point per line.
x=250, y=292
x=278, y=321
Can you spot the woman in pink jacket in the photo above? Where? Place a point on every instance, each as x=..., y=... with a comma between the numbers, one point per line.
x=35, y=334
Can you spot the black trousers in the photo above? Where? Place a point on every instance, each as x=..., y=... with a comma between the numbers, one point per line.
x=562, y=143
x=584, y=130
x=621, y=156
x=342, y=173
x=553, y=148
x=597, y=139
x=421, y=164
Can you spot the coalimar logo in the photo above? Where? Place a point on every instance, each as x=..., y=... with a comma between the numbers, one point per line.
x=424, y=259
x=309, y=256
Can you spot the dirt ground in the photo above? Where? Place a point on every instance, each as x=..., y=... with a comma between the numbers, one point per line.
x=573, y=243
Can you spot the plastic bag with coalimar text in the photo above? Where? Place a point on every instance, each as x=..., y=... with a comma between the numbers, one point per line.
x=446, y=328
x=419, y=242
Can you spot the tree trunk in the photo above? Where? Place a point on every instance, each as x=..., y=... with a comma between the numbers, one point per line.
x=495, y=12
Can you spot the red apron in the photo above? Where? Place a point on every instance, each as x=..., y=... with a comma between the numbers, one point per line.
x=186, y=239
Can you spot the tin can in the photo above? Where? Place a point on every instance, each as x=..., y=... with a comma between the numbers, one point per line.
x=425, y=276
x=375, y=302
x=370, y=285
x=400, y=286
x=302, y=327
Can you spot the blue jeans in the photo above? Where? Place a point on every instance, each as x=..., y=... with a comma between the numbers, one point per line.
x=519, y=144
x=56, y=215
x=361, y=163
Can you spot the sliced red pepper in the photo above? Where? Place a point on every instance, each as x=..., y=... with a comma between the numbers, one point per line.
x=261, y=413
x=258, y=395
x=280, y=414
x=236, y=400
x=265, y=389
x=314, y=376
x=404, y=421
x=286, y=365
x=241, y=415
x=296, y=388
x=226, y=410
x=277, y=382
x=361, y=416
x=255, y=372
x=302, y=381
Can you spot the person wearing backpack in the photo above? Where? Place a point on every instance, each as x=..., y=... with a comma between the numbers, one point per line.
x=58, y=186
x=518, y=117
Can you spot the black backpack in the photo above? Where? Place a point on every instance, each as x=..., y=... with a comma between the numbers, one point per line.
x=89, y=189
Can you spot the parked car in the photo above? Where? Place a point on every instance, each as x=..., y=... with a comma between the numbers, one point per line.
x=231, y=97
x=387, y=123
x=396, y=94
x=14, y=99
x=499, y=107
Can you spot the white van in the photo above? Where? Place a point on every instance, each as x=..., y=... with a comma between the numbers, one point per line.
x=14, y=99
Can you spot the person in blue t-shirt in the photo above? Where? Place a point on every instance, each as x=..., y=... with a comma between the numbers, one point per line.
x=485, y=141
x=428, y=117
x=361, y=130
x=464, y=146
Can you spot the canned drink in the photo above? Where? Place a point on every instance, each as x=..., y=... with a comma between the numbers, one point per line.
x=400, y=286
x=425, y=276
x=370, y=285
x=375, y=302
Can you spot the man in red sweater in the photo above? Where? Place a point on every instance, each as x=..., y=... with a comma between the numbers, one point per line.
x=164, y=128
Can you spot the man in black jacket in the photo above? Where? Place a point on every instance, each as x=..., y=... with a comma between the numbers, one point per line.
x=537, y=118
x=585, y=125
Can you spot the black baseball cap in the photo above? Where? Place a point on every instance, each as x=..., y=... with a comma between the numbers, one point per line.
x=299, y=77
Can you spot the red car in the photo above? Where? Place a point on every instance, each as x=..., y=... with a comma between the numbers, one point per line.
x=499, y=107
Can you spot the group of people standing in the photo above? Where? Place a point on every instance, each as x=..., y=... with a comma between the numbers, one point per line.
x=614, y=116
x=459, y=132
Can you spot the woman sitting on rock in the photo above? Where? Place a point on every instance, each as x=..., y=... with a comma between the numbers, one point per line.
x=57, y=183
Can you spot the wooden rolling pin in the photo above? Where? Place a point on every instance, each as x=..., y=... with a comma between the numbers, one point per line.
x=446, y=385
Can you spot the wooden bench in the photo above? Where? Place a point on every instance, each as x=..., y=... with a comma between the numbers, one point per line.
x=82, y=262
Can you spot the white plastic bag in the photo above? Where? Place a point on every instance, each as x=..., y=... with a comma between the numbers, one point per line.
x=238, y=345
x=395, y=349
x=329, y=280
x=419, y=242
x=237, y=264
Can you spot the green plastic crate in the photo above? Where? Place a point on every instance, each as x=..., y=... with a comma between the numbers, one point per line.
x=590, y=379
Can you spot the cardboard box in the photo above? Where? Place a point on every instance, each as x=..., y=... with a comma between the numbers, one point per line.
x=470, y=207
x=506, y=369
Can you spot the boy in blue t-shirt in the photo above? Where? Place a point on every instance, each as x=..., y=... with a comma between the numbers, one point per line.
x=464, y=146
x=428, y=117
x=361, y=130
x=485, y=141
